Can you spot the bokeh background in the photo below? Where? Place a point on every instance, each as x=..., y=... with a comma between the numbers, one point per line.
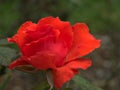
x=103, y=19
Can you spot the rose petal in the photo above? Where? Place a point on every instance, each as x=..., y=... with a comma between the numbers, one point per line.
x=39, y=32
x=47, y=44
x=13, y=39
x=67, y=72
x=64, y=28
x=20, y=37
x=19, y=62
x=46, y=20
x=83, y=42
x=36, y=46
x=79, y=63
x=60, y=50
x=62, y=75
x=42, y=61
x=66, y=33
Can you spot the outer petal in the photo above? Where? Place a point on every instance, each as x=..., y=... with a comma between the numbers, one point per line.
x=20, y=37
x=19, y=62
x=67, y=72
x=62, y=75
x=46, y=20
x=36, y=46
x=47, y=44
x=65, y=29
x=42, y=61
x=79, y=63
x=83, y=42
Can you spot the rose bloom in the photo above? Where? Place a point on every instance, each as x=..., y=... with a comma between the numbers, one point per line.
x=54, y=45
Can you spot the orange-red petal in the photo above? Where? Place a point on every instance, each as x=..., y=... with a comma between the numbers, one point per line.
x=19, y=62
x=62, y=75
x=64, y=28
x=67, y=72
x=42, y=61
x=83, y=42
x=79, y=63
x=42, y=44
x=20, y=37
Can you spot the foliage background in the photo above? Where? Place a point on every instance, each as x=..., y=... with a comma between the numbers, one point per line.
x=102, y=17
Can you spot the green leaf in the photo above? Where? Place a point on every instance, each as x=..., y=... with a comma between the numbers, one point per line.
x=84, y=84
x=42, y=86
x=4, y=42
x=6, y=55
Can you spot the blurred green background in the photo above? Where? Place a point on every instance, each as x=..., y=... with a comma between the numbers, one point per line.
x=102, y=17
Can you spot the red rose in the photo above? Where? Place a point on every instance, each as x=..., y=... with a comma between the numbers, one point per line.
x=55, y=45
